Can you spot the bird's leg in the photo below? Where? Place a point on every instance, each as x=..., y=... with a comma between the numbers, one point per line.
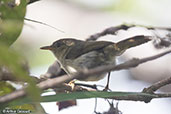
x=72, y=84
x=107, y=85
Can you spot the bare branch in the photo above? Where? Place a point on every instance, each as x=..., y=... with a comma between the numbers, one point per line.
x=111, y=30
x=146, y=97
x=115, y=29
x=157, y=85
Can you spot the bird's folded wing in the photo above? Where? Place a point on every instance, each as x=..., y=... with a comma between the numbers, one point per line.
x=85, y=47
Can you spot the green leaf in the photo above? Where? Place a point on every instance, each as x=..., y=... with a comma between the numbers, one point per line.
x=11, y=20
x=80, y=95
x=93, y=94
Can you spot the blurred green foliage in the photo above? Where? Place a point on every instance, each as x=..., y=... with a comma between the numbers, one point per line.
x=11, y=20
x=12, y=60
x=5, y=88
x=11, y=24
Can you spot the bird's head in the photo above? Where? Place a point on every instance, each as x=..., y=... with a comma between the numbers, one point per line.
x=60, y=47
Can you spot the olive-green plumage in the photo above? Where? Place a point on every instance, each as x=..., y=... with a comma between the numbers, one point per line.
x=76, y=55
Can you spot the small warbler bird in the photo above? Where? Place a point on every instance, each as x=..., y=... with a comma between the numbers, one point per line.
x=76, y=55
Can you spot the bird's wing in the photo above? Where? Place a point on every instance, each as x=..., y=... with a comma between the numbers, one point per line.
x=132, y=42
x=85, y=47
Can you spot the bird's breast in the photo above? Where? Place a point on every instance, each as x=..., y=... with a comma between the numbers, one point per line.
x=87, y=61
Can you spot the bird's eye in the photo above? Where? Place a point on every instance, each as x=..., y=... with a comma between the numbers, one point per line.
x=58, y=45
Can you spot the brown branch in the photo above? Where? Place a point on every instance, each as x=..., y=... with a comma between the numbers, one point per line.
x=115, y=29
x=165, y=95
x=111, y=30
x=145, y=98
x=50, y=83
x=157, y=85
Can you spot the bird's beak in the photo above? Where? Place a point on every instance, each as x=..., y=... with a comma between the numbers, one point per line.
x=47, y=48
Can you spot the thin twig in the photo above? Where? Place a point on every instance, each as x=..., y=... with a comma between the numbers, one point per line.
x=31, y=20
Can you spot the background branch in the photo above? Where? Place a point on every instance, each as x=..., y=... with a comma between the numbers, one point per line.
x=157, y=85
x=115, y=29
x=111, y=30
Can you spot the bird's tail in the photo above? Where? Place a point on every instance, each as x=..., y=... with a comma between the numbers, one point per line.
x=132, y=42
